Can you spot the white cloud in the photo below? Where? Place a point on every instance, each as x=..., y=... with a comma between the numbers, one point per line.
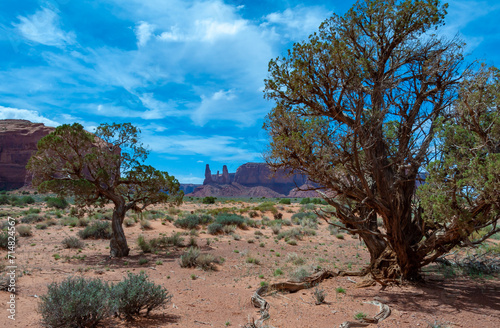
x=218, y=148
x=226, y=106
x=43, y=27
x=143, y=32
x=295, y=23
x=189, y=179
x=25, y=114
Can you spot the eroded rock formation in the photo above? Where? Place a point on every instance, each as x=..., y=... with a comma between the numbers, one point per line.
x=18, y=141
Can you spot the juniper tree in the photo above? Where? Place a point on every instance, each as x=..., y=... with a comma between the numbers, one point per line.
x=357, y=106
x=100, y=168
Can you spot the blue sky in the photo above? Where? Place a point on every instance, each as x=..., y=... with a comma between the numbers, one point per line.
x=188, y=73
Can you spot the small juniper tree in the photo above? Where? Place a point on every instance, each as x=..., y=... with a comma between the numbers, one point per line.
x=100, y=168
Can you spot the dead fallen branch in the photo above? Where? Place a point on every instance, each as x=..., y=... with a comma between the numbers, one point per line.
x=292, y=286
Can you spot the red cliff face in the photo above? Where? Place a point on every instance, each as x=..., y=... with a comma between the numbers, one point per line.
x=18, y=141
x=259, y=174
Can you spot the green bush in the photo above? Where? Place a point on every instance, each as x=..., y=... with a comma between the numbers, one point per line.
x=136, y=293
x=4, y=239
x=285, y=201
x=75, y=302
x=73, y=242
x=215, y=228
x=31, y=218
x=209, y=200
x=231, y=219
x=96, y=230
x=143, y=244
x=57, y=202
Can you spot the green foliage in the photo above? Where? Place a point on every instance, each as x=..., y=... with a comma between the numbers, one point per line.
x=31, y=218
x=192, y=221
x=265, y=207
x=137, y=293
x=209, y=200
x=96, y=230
x=215, y=228
x=319, y=295
x=100, y=167
x=4, y=239
x=57, y=202
x=75, y=302
x=360, y=316
x=231, y=219
x=461, y=189
x=285, y=201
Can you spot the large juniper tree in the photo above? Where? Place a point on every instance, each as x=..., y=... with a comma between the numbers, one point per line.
x=357, y=107
x=100, y=168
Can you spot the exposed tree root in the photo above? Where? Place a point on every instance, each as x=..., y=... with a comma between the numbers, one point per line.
x=309, y=282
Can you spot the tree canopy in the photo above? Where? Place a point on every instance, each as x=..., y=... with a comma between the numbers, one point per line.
x=357, y=107
x=99, y=168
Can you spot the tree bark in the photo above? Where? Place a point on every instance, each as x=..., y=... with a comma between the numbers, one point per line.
x=118, y=244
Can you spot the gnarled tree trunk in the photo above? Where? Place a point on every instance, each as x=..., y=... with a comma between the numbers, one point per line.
x=118, y=244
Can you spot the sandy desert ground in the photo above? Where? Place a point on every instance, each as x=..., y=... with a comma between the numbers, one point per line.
x=221, y=298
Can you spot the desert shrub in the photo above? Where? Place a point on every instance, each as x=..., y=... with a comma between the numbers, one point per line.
x=41, y=226
x=319, y=296
x=300, y=273
x=188, y=259
x=285, y=201
x=192, y=221
x=83, y=222
x=24, y=231
x=174, y=240
x=4, y=239
x=193, y=242
x=297, y=218
x=50, y=222
x=278, y=216
x=169, y=218
x=70, y=221
x=173, y=211
x=206, y=261
x=209, y=200
x=317, y=201
x=146, y=225
x=129, y=222
x=31, y=218
x=229, y=229
x=4, y=199
x=33, y=210
x=295, y=259
x=96, y=230
x=276, y=229
x=253, y=214
x=75, y=302
x=230, y=219
x=73, y=242
x=25, y=200
x=57, y=202
x=215, y=228
x=143, y=244
x=137, y=293
x=265, y=207
x=193, y=258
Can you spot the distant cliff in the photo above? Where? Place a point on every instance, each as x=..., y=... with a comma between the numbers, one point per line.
x=18, y=141
x=250, y=180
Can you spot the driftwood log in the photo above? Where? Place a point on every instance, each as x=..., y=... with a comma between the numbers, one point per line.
x=291, y=286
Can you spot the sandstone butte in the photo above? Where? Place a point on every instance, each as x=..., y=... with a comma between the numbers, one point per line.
x=18, y=141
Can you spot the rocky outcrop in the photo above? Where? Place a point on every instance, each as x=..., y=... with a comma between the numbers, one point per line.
x=260, y=174
x=18, y=141
x=208, y=175
x=252, y=180
x=188, y=187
